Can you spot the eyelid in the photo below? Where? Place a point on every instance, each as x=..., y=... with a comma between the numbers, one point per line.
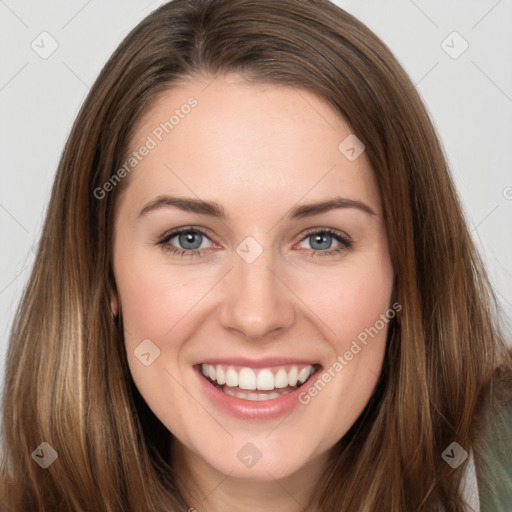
x=330, y=231
x=343, y=238
x=184, y=229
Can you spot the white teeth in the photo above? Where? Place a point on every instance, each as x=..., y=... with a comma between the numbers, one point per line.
x=304, y=374
x=231, y=378
x=265, y=379
x=254, y=397
x=247, y=379
x=293, y=376
x=281, y=379
x=221, y=376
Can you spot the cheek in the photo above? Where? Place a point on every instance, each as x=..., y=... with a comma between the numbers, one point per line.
x=361, y=303
x=359, y=297
x=153, y=298
x=353, y=299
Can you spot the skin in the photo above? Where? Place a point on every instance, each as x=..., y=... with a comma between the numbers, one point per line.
x=258, y=150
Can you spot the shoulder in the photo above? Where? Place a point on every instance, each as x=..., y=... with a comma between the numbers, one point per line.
x=492, y=445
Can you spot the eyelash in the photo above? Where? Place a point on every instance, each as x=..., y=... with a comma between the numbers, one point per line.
x=345, y=242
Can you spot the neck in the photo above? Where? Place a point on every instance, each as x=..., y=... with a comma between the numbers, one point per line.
x=205, y=488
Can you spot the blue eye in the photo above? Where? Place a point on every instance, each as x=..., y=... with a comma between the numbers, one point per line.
x=321, y=239
x=190, y=240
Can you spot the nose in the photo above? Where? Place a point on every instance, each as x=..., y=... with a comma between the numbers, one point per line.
x=257, y=303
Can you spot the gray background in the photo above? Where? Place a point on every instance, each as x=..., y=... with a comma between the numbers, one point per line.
x=469, y=98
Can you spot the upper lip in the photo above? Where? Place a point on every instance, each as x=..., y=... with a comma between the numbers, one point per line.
x=266, y=362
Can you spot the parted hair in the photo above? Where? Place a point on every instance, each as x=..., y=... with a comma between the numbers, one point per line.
x=446, y=369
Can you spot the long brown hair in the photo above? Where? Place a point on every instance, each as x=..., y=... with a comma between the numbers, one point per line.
x=67, y=381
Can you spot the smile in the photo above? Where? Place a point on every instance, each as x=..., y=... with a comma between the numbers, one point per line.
x=257, y=384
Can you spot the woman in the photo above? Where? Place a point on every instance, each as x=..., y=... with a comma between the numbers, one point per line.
x=145, y=374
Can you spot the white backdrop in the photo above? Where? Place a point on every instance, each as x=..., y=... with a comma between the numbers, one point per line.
x=457, y=52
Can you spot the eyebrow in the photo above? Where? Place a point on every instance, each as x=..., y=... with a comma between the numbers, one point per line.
x=216, y=210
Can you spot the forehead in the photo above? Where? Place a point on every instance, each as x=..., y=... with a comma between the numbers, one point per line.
x=226, y=138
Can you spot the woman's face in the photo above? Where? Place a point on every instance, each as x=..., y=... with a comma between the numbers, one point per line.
x=260, y=288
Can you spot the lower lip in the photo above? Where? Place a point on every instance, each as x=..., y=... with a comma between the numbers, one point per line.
x=255, y=410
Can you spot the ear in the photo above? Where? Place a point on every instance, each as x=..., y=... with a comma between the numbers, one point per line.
x=114, y=304
x=111, y=291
